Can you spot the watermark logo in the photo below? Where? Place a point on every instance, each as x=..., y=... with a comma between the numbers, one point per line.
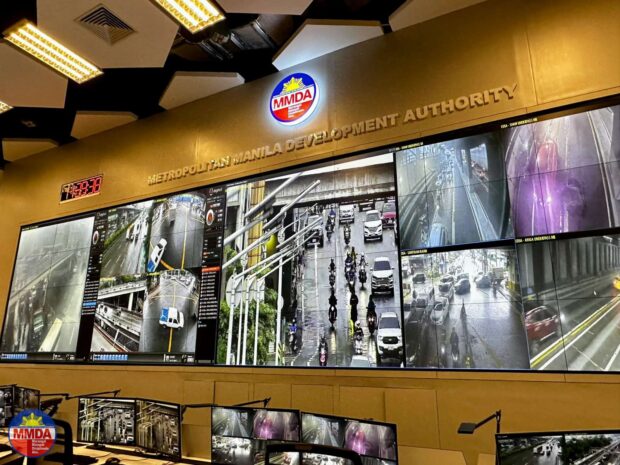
x=32, y=433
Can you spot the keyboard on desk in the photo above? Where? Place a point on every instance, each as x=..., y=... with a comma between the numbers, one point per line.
x=77, y=459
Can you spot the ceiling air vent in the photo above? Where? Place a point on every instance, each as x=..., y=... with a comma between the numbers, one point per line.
x=105, y=24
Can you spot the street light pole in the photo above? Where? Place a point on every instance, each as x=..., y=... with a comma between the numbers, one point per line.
x=250, y=281
x=256, y=319
x=279, y=311
x=231, y=317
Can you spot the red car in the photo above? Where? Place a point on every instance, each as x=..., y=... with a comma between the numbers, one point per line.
x=388, y=214
x=541, y=323
x=547, y=156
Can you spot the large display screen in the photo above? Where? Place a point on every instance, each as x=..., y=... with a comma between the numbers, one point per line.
x=239, y=435
x=564, y=448
x=493, y=249
x=374, y=442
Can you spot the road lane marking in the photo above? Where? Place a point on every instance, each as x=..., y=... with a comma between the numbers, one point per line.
x=170, y=341
x=613, y=358
x=577, y=332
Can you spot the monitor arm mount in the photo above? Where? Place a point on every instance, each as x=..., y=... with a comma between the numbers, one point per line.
x=265, y=402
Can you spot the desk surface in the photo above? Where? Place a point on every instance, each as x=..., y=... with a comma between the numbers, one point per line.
x=128, y=458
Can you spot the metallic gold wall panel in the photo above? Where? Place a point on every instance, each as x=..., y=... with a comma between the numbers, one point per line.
x=313, y=398
x=362, y=402
x=576, y=53
x=404, y=407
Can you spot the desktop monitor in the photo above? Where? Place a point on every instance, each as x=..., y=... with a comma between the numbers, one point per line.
x=106, y=420
x=16, y=399
x=239, y=435
x=158, y=427
x=559, y=448
x=375, y=442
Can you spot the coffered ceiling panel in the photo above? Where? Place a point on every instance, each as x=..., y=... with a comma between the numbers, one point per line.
x=275, y=7
x=15, y=149
x=27, y=83
x=418, y=11
x=317, y=38
x=88, y=123
x=186, y=87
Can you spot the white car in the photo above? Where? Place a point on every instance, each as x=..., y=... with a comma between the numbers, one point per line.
x=382, y=277
x=360, y=361
x=389, y=338
x=373, y=226
x=156, y=255
x=171, y=317
x=346, y=214
x=440, y=311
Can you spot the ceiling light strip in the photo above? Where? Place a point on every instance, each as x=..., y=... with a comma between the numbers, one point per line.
x=194, y=15
x=34, y=45
x=62, y=53
x=38, y=44
x=4, y=107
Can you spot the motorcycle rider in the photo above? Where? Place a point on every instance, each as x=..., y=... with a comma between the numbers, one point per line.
x=494, y=288
x=463, y=313
x=358, y=333
x=362, y=276
x=348, y=261
x=292, y=331
x=353, y=255
x=454, y=341
x=363, y=260
x=332, y=299
x=332, y=266
x=371, y=307
x=323, y=347
x=347, y=233
x=353, y=302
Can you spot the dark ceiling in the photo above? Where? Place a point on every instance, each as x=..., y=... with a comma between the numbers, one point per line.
x=242, y=43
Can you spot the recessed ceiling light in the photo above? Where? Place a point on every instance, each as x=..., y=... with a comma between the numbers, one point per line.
x=32, y=40
x=194, y=15
x=4, y=107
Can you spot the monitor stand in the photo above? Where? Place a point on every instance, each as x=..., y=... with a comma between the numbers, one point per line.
x=96, y=446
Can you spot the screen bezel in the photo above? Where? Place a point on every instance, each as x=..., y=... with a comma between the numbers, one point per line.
x=496, y=125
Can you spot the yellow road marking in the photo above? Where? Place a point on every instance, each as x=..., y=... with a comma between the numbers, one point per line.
x=170, y=341
x=184, y=239
x=571, y=335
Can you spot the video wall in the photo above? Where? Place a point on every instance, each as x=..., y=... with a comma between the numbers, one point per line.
x=495, y=249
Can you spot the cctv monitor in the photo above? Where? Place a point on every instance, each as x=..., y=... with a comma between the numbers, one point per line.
x=158, y=427
x=106, y=420
x=375, y=442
